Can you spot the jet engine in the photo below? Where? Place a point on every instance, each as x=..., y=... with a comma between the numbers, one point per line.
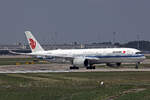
x=80, y=62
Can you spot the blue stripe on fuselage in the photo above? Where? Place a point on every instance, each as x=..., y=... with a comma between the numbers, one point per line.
x=118, y=56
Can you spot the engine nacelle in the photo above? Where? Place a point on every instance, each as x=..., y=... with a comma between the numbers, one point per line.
x=81, y=62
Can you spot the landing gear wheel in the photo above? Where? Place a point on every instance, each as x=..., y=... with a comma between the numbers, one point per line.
x=93, y=67
x=88, y=68
x=74, y=67
x=118, y=64
x=137, y=65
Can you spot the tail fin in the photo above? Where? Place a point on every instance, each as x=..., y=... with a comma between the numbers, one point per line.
x=34, y=44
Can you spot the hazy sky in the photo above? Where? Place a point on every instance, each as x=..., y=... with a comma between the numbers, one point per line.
x=74, y=20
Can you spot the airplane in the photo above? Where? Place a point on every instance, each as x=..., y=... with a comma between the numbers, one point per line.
x=88, y=57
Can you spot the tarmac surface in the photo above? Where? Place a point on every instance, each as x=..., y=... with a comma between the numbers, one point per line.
x=45, y=68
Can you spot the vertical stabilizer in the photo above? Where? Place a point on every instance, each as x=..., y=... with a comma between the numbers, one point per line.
x=33, y=43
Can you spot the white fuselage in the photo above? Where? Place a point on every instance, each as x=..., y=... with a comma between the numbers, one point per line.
x=87, y=57
x=104, y=55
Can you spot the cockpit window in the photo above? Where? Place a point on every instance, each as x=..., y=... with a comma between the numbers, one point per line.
x=139, y=53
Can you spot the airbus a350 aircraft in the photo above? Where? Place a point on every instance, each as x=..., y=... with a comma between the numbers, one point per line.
x=88, y=57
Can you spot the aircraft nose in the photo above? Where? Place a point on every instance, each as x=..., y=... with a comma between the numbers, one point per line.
x=143, y=58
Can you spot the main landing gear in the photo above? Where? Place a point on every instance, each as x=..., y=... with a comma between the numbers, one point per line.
x=88, y=67
x=74, y=67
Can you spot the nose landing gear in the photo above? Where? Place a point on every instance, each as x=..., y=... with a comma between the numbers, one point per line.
x=137, y=65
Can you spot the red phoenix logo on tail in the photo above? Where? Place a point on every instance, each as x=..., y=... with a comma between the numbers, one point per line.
x=32, y=43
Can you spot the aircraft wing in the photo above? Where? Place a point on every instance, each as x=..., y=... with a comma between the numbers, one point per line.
x=92, y=58
x=74, y=57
